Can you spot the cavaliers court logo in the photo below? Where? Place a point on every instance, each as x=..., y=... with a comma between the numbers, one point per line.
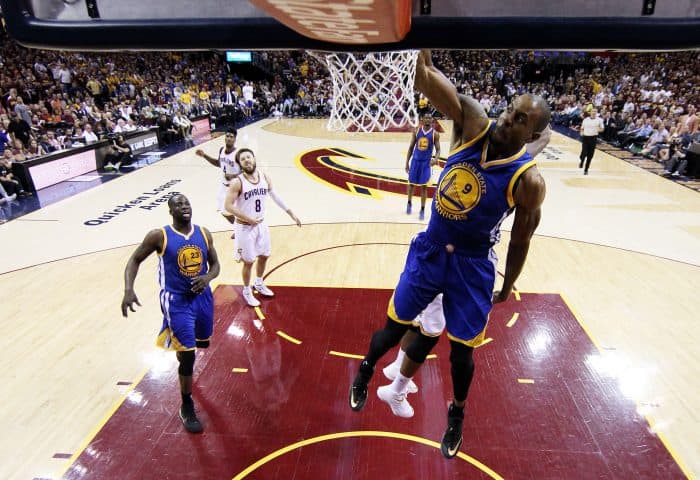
x=189, y=259
x=339, y=169
x=459, y=191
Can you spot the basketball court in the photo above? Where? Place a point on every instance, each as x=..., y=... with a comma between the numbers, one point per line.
x=589, y=368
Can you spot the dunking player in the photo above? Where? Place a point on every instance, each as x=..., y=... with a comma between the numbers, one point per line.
x=431, y=321
x=419, y=159
x=246, y=200
x=187, y=263
x=487, y=176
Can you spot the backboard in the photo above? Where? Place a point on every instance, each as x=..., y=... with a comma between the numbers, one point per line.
x=463, y=24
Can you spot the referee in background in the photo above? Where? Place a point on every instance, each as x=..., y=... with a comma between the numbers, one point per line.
x=590, y=128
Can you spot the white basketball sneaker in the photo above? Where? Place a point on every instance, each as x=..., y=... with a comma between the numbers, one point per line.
x=398, y=403
x=390, y=372
x=262, y=289
x=249, y=298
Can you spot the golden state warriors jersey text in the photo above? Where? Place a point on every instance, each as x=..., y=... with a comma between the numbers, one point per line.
x=183, y=258
x=474, y=196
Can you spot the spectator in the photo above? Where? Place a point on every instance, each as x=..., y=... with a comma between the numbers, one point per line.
x=35, y=149
x=88, y=135
x=119, y=154
x=19, y=129
x=7, y=179
x=183, y=125
x=657, y=140
x=166, y=130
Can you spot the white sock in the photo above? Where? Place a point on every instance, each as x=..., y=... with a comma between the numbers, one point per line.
x=246, y=289
x=399, y=357
x=259, y=281
x=399, y=384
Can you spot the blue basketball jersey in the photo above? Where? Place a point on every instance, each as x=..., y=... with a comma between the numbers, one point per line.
x=183, y=258
x=423, y=149
x=474, y=195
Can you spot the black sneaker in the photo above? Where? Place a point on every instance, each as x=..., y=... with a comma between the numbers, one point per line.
x=358, y=389
x=189, y=419
x=452, y=439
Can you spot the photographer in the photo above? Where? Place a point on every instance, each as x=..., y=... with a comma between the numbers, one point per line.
x=119, y=154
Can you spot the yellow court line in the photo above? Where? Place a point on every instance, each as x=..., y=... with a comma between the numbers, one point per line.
x=486, y=340
x=346, y=355
x=259, y=313
x=287, y=337
x=525, y=380
x=512, y=320
x=649, y=419
x=240, y=370
x=333, y=436
x=578, y=319
x=101, y=424
x=517, y=295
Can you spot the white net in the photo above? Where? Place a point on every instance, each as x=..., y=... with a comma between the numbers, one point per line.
x=371, y=91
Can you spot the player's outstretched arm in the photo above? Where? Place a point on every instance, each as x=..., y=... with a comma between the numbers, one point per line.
x=467, y=114
x=153, y=242
x=280, y=203
x=439, y=90
x=528, y=198
x=214, y=161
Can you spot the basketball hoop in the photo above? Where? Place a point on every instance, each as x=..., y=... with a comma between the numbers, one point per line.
x=372, y=91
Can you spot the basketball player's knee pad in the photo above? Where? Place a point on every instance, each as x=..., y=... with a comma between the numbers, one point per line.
x=461, y=356
x=421, y=347
x=186, y=360
x=201, y=343
x=389, y=336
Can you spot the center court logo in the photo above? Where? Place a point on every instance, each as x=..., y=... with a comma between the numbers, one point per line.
x=189, y=260
x=459, y=191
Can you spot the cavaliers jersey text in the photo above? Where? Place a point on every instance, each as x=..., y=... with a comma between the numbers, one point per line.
x=251, y=200
x=183, y=258
x=474, y=195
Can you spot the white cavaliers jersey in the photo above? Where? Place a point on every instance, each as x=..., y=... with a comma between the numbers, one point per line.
x=228, y=164
x=251, y=200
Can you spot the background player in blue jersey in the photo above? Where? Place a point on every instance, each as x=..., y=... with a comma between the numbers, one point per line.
x=488, y=175
x=187, y=263
x=419, y=159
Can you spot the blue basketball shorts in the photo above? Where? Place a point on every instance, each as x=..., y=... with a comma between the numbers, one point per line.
x=186, y=319
x=466, y=284
x=419, y=171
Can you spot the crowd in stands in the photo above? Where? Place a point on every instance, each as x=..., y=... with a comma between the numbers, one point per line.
x=52, y=100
